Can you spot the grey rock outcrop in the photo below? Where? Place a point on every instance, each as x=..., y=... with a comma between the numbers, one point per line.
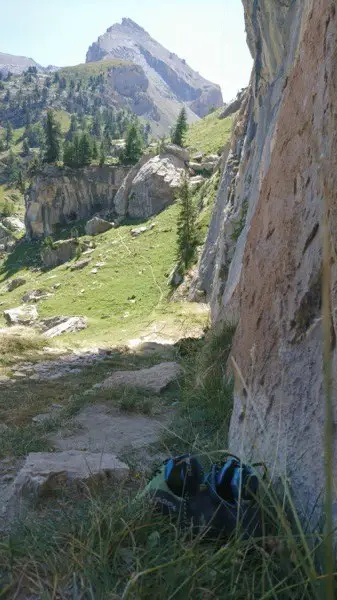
x=66, y=325
x=13, y=224
x=22, y=315
x=97, y=225
x=59, y=197
x=151, y=185
x=15, y=283
x=170, y=81
x=59, y=252
x=262, y=263
x=36, y=296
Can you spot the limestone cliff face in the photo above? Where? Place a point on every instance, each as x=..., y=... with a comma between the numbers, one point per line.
x=262, y=263
x=60, y=196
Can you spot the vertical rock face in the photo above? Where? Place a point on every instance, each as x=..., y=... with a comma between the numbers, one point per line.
x=262, y=263
x=57, y=196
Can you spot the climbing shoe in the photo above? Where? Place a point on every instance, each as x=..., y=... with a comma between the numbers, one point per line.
x=176, y=481
x=228, y=499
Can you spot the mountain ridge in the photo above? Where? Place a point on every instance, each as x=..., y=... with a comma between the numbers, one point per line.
x=172, y=82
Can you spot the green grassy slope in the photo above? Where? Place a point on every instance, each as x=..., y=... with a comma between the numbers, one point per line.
x=210, y=134
x=86, y=70
x=126, y=296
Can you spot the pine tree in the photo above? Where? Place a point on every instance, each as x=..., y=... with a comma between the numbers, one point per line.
x=181, y=126
x=85, y=150
x=20, y=184
x=94, y=150
x=186, y=230
x=52, y=138
x=73, y=128
x=25, y=147
x=96, y=128
x=9, y=134
x=102, y=157
x=133, y=145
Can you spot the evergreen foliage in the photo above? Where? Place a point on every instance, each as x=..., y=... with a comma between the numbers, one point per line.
x=52, y=132
x=180, y=129
x=186, y=228
x=9, y=134
x=133, y=145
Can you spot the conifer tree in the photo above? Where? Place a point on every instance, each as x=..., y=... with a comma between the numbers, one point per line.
x=25, y=147
x=133, y=145
x=94, y=150
x=52, y=138
x=186, y=229
x=181, y=126
x=9, y=135
x=102, y=156
x=85, y=151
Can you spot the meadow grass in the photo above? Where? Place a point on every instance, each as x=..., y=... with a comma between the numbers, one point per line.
x=105, y=545
x=210, y=134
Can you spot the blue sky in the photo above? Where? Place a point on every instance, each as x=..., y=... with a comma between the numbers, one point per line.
x=209, y=34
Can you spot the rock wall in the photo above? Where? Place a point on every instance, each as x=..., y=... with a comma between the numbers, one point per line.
x=262, y=263
x=59, y=196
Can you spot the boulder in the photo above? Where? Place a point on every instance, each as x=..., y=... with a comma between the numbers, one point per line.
x=181, y=153
x=22, y=315
x=152, y=184
x=6, y=236
x=196, y=182
x=197, y=157
x=137, y=231
x=14, y=224
x=175, y=277
x=59, y=252
x=155, y=186
x=46, y=472
x=97, y=225
x=67, y=325
x=153, y=380
x=36, y=295
x=80, y=264
x=15, y=283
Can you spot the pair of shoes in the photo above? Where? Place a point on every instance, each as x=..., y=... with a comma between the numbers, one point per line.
x=219, y=503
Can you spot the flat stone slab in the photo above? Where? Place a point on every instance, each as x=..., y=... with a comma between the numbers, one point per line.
x=100, y=428
x=69, y=325
x=153, y=380
x=44, y=472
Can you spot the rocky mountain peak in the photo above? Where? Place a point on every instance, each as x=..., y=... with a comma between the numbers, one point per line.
x=171, y=82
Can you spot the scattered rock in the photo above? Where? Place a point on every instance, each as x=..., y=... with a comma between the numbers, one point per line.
x=94, y=271
x=59, y=252
x=196, y=182
x=45, y=472
x=13, y=224
x=153, y=380
x=100, y=264
x=36, y=295
x=15, y=283
x=56, y=286
x=68, y=325
x=197, y=157
x=77, y=266
x=22, y=315
x=137, y=231
x=152, y=226
x=181, y=153
x=97, y=225
x=175, y=277
x=42, y=417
